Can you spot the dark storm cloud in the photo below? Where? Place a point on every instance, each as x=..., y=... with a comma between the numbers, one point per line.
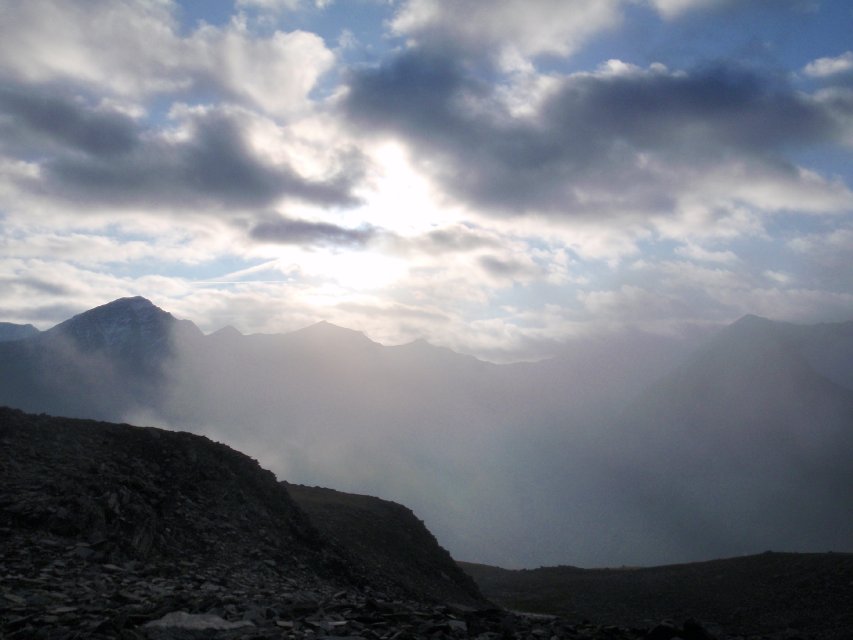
x=213, y=167
x=587, y=135
x=103, y=158
x=303, y=232
x=36, y=284
x=40, y=119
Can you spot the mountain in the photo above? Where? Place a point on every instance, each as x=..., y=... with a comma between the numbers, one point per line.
x=113, y=530
x=626, y=450
x=10, y=331
x=386, y=543
x=826, y=347
x=129, y=329
x=143, y=494
x=137, y=494
x=743, y=448
x=104, y=363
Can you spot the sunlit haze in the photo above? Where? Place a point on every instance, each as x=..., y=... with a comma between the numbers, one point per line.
x=496, y=177
x=570, y=279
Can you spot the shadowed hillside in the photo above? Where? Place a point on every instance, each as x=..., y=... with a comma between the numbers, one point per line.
x=113, y=531
x=779, y=595
x=607, y=454
x=387, y=544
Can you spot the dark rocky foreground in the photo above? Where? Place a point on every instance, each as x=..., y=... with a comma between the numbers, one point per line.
x=113, y=531
x=769, y=595
x=387, y=544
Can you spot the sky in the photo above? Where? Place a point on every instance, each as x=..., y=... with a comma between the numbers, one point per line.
x=493, y=176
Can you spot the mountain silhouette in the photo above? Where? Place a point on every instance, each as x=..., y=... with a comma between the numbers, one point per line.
x=741, y=449
x=10, y=331
x=613, y=452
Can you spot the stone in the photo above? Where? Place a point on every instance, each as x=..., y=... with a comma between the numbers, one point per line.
x=196, y=621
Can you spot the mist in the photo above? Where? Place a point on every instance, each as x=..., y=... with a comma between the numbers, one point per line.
x=468, y=445
x=627, y=449
x=597, y=457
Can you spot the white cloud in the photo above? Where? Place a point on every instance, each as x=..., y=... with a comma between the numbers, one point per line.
x=500, y=217
x=130, y=47
x=681, y=274
x=701, y=254
x=135, y=49
x=270, y=5
x=825, y=67
x=631, y=303
x=276, y=73
x=507, y=28
x=674, y=8
x=816, y=242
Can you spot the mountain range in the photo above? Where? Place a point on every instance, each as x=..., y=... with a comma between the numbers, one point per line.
x=630, y=451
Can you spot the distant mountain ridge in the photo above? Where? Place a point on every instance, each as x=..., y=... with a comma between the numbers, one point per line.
x=743, y=446
x=620, y=452
x=10, y=331
x=128, y=327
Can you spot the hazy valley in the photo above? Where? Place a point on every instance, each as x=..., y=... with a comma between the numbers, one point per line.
x=631, y=453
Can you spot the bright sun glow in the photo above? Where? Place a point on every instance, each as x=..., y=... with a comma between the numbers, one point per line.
x=343, y=271
x=401, y=199
x=362, y=271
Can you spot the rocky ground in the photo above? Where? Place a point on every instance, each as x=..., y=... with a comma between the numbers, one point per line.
x=113, y=531
x=387, y=544
x=53, y=588
x=769, y=595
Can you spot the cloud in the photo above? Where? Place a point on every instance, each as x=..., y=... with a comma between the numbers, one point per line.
x=283, y=230
x=509, y=269
x=701, y=254
x=206, y=161
x=135, y=49
x=630, y=303
x=508, y=29
x=652, y=131
x=270, y=5
x=275, y=73
x=673, y=9
x=824, y=67
x=128, y=47
x=36, y=117
x=450, y=239
x=670, y=9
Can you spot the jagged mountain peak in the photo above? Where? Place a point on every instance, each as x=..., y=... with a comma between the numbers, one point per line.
x=136, y=308
x=123, y=323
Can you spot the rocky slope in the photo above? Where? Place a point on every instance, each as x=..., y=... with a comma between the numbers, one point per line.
x=386, y=544
x=592, y=456
x=113, y=531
